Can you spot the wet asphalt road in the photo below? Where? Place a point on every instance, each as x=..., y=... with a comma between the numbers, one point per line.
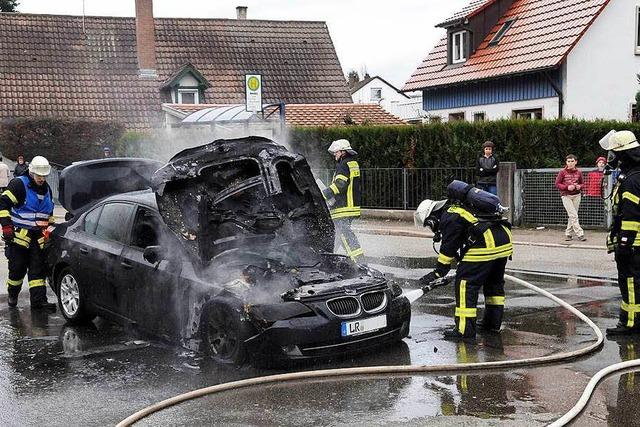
x=54, y=374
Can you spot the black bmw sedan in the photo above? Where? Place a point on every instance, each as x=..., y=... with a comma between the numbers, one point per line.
x=226, y=249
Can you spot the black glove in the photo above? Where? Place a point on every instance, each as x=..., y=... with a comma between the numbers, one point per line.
x=428, y=278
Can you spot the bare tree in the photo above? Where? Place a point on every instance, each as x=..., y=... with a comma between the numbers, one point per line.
x=8, y=5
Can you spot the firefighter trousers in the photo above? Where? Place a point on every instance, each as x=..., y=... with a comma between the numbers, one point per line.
x=348, y=239
x=629, y=283
x=23, y=260
x=470, y=278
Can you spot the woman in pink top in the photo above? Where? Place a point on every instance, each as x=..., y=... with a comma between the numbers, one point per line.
x=569, y=182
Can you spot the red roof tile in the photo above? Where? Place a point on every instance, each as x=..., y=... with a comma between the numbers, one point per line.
x=541, y=38
x=319, y=114
x=467, y=11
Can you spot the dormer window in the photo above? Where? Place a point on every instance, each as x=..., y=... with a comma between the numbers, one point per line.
x=501, y=32
x=185, y=86
x=188, y=96
x=459, y=47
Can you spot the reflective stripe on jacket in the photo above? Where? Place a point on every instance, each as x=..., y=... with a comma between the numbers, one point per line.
x=345, y=187
x=36, y=210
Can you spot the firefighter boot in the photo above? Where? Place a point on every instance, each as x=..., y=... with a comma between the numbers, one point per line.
x=13, y=292
x=39, y=299
x=620, y=329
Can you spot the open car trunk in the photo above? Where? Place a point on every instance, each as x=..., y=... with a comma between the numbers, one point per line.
x=84, y=183
x=242, y=193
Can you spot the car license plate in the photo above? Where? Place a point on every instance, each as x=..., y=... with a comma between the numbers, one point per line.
x=362, y=326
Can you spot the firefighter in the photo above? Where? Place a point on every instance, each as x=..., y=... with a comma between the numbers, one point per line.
x=624, y=154
x=26, y=211
x=482, y=243
x=343, y=195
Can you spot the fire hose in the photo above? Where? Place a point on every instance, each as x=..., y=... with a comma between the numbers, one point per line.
x=416, y=369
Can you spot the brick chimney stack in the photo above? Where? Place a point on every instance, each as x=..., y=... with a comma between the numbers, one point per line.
x=241, y=12
x=146, y=39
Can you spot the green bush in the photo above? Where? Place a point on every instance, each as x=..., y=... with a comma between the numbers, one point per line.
x=531, y=144
x=61, y=141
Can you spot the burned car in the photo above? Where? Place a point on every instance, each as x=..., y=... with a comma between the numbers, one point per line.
x=227, y=248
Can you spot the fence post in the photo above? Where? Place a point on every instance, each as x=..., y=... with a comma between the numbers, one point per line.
x=405, y=201
x=506, y=180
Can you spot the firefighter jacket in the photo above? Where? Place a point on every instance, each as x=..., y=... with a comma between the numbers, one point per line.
x=471, y=239
x=27, y=206
x=626, y=211
x=345, y=188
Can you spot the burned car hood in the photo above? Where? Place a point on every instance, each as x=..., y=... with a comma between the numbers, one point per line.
x=84, y=183
x=239, y=193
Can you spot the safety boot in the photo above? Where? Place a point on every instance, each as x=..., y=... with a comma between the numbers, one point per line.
x=12, y=300
x=44, y=306
x=620, y=329
x=481, y=326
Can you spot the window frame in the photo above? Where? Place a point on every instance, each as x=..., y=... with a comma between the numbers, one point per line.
x=458, y=116
x=637, y=35
x=478, y=113
x=371, y=98
x=84, y=220
x=461, y=50
x=502, y=31
x=516, y=112
x=195, y=92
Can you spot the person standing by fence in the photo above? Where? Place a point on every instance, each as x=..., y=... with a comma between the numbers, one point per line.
x=593, y=186
x=569, y=183
x=487, y=169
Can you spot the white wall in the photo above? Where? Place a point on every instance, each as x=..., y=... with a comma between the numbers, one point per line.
x=502, y=111
x=601, y=69
x=390, y=97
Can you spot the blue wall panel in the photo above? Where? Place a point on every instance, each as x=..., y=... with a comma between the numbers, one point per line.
x=509, y=89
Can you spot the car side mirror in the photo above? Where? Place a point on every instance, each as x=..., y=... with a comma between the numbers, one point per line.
x=154, y=254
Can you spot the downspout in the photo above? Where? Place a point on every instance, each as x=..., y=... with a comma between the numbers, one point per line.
x=558, y=90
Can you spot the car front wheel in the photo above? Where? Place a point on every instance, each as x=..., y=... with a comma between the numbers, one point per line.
x=71, y=298
x=224, y=333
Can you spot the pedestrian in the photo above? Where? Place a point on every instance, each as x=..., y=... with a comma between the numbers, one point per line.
x=569, y=183
x=482, y=244
x=623, y=236
x=106, y=152
x=345, y=193
x=593, y=186
x=4, y=175
x=26, y=211
x=22, y=168
x=487, y=167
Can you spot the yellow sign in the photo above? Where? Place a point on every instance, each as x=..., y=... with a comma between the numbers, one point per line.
x=253, y=83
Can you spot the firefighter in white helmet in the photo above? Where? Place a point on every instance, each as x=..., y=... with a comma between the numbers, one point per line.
x=623, y=240
x=26, y=211
x=345, y=190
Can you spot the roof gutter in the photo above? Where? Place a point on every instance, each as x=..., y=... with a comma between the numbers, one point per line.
x=558, y=90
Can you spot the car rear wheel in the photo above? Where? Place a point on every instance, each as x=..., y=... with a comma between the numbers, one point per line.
x=71, y=298
x=224, y=333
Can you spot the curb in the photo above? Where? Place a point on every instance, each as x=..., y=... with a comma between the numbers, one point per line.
x=421, y=234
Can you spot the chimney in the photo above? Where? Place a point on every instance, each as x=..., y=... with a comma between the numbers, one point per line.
x=241, y=12
x=146, y=39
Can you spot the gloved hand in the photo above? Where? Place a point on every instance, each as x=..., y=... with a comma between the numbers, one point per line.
x=428, y=278
x=7, y=233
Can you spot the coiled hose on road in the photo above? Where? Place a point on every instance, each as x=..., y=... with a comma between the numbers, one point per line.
x=416, y=369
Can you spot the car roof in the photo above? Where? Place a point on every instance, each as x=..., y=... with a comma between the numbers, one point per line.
x=146, y=198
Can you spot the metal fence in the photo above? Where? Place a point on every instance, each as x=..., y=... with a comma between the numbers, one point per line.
x=538, y=202
x=398, y=188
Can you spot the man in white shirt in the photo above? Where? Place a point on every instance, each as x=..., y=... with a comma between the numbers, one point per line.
x=4, y=175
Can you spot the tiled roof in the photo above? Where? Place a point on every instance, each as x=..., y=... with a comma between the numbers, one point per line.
x=48, y=67
x=364, y=82
x=541, y=38
x=468, y=10
x=318, y=114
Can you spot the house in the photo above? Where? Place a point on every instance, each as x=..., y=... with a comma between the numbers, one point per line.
x=124, y=69
x=377, y=90
x=534, y=59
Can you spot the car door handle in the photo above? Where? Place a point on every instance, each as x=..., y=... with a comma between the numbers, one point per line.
x=84, y=251
x=126, y=265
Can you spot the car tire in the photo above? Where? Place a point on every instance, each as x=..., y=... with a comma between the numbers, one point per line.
x=71, y=298
x=224, y=332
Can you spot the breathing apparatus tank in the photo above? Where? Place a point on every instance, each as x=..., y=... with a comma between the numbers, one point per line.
x=479, y=201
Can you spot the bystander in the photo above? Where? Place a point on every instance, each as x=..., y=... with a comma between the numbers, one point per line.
x=593, y=184
x=487, y=169
x=22, y=167
x=4, y=175
x=569, y=183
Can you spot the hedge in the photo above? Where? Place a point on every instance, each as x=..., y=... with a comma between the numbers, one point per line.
x=61, y=141
x=531, y=144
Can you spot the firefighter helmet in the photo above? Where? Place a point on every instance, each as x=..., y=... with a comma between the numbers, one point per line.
x=426, y=208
